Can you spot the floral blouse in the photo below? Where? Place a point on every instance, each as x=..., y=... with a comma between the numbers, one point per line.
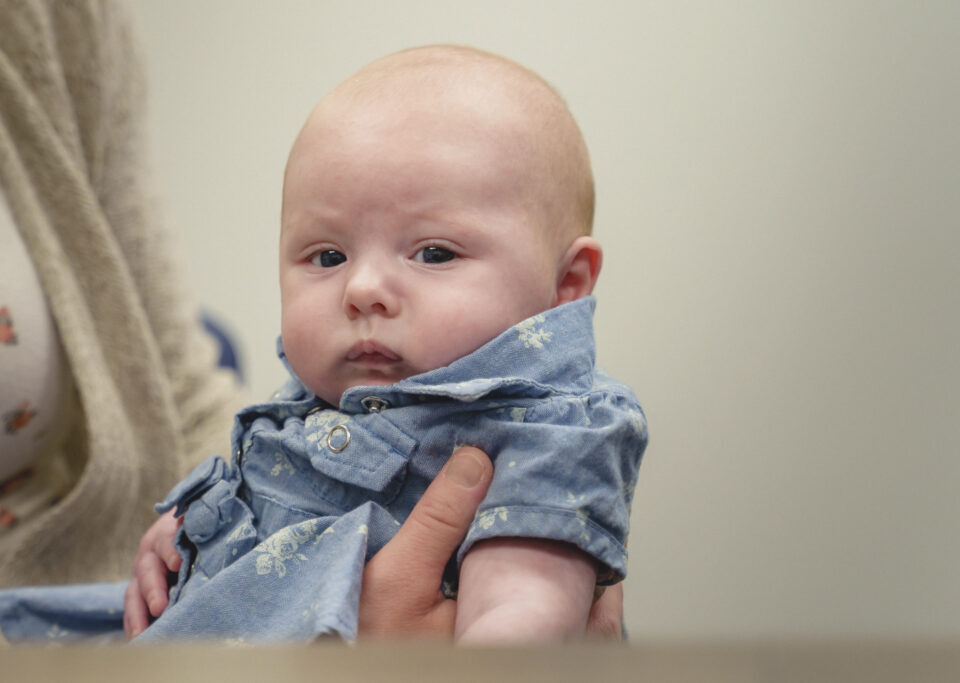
x=35, y=384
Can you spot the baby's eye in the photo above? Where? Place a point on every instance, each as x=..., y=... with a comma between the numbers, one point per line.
x=434, y=254
x=328, y=258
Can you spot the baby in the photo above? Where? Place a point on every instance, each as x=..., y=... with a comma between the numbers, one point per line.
x=435, y=271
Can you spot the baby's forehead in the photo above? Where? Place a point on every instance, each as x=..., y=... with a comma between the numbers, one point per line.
x=479, y=94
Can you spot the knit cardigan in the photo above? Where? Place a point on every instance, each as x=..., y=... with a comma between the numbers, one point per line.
x=152, y=403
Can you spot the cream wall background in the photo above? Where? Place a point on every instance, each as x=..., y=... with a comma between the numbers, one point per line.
x=778, y=197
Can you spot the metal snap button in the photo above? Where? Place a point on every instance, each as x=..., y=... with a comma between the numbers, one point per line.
x=373, y=404
x=338, y=434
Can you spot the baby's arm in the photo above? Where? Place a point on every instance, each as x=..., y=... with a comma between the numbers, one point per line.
x=521, y=590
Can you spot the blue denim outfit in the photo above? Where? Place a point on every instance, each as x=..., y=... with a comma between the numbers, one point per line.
x=275, y=543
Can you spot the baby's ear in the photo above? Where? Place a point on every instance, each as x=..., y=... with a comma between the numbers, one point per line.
x=579, y=271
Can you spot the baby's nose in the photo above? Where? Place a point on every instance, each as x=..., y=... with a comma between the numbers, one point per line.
x=370, y=291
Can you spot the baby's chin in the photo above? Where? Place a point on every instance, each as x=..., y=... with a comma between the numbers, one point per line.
x=373, y=376
x=333, y=398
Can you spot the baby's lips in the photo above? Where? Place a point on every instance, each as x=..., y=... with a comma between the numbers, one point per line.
x=369, y=347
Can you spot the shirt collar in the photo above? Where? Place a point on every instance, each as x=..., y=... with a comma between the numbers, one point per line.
x=550, y=353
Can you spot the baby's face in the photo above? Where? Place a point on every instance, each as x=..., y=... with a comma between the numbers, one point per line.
x=412, y=235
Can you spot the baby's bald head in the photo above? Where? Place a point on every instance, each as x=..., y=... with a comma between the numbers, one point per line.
x=532, y=122
x=430, y=202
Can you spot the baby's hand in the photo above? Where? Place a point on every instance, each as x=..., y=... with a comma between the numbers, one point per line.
x=147, y=591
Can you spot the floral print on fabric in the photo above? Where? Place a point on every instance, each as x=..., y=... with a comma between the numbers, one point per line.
x=284, y=547
x=7, y=333
x=274, y=543
x=530, y=335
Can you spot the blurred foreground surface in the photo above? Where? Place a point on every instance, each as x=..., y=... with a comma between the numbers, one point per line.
x=874, y=661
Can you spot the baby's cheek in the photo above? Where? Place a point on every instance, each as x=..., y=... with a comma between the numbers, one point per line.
x=305, y=358
x=458, y=335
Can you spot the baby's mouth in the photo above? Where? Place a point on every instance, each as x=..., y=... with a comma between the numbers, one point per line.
x=370, y=352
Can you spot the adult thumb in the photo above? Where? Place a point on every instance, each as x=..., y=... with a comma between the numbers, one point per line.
x=441, y=518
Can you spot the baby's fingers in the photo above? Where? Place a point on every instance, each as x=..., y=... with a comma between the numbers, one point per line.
x=160, y=540
x=167, y=550
x=135, y=618
x=150, y=574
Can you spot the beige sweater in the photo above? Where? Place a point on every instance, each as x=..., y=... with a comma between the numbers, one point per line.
x=73, y=173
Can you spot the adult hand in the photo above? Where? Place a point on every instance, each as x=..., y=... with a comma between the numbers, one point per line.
x=401, y=594
x=146, y=595
x=606, y=616
x=401, y=583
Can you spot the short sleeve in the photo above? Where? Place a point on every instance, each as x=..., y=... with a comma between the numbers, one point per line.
x=565, y=469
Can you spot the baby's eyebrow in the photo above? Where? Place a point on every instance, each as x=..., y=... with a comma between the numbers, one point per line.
x=448, y=218
x=307, y=219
